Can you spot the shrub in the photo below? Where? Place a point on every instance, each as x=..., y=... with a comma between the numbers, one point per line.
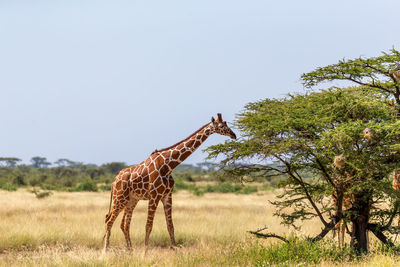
x=198, y=192
x=40, y=195
x=17, y=178
x=249, y=189
x=9, y=187
x=105, y=187
x=181, y=185
x=51, y=187
x=301, y=252
x=231, y=188
x=87, y=186
x=34, y=181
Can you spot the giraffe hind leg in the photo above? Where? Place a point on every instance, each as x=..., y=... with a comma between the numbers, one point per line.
x=117, y=207
x=126, y=220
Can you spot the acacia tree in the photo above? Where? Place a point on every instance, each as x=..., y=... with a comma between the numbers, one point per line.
x=303, y=134
x=9, y=162
x=40, y=162
x=380, y=74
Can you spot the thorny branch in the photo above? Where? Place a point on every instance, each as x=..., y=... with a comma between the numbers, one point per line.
x=302, y=184
x=267, y=235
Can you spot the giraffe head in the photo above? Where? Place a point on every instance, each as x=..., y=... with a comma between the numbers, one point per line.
x=339, y=161
x=219, y=126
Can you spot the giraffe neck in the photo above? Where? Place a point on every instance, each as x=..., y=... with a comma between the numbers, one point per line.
x=177, y=153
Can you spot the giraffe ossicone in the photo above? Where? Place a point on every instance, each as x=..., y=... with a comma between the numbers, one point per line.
x=151, y=180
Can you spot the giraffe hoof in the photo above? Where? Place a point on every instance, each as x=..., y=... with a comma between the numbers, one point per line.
x=145, y=251
x=175, y=247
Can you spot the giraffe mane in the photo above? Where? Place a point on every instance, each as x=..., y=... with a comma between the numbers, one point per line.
x=187, y=138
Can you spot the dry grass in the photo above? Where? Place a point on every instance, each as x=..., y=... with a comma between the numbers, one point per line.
x=66, y=229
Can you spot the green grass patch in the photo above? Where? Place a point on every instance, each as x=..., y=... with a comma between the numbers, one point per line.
x=300, y=252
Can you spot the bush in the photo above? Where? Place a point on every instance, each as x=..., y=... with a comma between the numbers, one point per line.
x=231, y=188
x=51, y=187
x=198, y=192
x=34, y=181
x=249, y=189
x=223, y=188
x=68, y=182
x=41, y=194
x=17, y=178
x=9, y=187
x=105, y=187
x=87, y=186
x=181, y=185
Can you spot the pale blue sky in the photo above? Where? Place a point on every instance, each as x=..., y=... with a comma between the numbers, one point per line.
x=100, y=81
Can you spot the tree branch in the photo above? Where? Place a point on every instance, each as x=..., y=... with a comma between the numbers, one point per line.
x=386, y=73
x=310, y=198
x=322, y=168
x=326, y=230
x=394, y=213
x=368, y=84
x=267, y=235
x=374, y=228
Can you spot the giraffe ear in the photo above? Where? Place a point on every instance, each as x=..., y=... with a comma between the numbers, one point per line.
x=212, y=119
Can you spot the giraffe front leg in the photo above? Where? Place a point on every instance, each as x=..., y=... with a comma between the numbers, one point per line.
x=153, y=203
x=342, y=232
x=167, y=202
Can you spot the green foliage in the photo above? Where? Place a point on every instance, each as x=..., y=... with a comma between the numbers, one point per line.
x=301, y=252
x=249, y=189
x=230, y=188
x=9, y=162
x=373, y=73
x=225, y=187
x=17, y=178
x=181, y=185
x=105, y=187
x=114, y=167
x=68, y=175
x=87, y=186
x=41, y=194
x=299, y=136
x=40, y=162
x=9, y=187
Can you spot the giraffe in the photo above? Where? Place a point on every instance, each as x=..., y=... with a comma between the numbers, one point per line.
x=340, y=227
x=396, y=185
x=151, y=180
x=342, y=181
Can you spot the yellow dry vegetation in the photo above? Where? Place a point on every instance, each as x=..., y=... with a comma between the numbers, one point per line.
x=66, y=229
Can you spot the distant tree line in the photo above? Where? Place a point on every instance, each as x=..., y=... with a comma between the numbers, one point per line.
x=68, y=175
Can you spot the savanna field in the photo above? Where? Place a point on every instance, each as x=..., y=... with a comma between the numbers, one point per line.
x=66, y=229
x=296, y=156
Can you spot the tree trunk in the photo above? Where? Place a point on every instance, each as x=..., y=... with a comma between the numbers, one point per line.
x=359, y=221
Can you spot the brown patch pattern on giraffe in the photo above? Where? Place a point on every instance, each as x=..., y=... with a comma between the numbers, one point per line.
x=151, y=180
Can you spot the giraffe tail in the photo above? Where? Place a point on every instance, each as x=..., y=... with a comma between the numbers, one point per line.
x=109, y=208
